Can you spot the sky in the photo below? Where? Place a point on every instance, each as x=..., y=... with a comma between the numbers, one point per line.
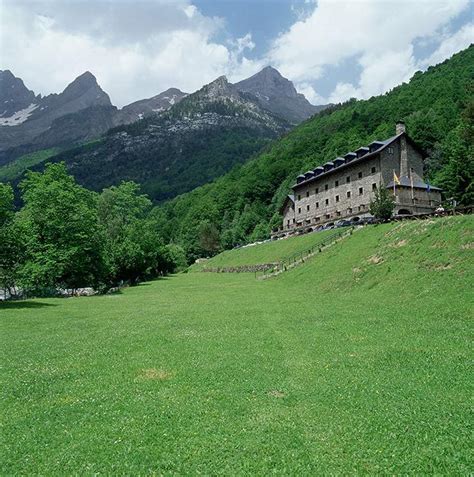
x=332, y=50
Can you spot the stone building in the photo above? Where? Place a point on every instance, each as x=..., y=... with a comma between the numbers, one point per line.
x=343, y=188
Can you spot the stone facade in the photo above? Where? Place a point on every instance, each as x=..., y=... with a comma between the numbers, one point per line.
x=343, y=189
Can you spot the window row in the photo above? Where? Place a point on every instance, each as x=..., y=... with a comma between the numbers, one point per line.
x=337, y=198
x=336, y=183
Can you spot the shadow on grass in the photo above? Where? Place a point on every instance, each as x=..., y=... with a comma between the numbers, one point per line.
x=17, y=305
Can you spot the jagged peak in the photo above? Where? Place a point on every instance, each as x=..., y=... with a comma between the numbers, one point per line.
x=7, y=74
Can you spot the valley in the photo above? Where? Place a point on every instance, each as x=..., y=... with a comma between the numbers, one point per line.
x=345, y=364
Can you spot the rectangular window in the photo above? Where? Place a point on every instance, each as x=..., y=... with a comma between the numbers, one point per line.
x=349, y=210
x=327, y=201
x=299, y=197
x=293, y=220
x=317, y=190
x=373, y=170
x=326, y=187
x=338, y=213
x=299, y=210
x=361, y=207
x=361, y=190
x=337, y=198
x=390, y=150
x=374, y=186
x=348, y=194
x=336, y=183
x=288, y=222
x=307, y=193
x=360, y=175
x=307, y=207
x=328, y=216
x=317, y=205
x=317, y=219
x=348, y=179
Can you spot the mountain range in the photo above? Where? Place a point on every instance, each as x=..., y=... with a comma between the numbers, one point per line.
x=170, y=143
x=83, y=111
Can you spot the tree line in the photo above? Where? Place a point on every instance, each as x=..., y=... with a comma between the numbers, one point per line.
x=68, y=237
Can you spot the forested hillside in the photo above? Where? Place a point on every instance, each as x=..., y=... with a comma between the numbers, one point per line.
x=436, y=105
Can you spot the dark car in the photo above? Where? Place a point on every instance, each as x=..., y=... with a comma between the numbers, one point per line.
x=343, y=223
x=368, y=220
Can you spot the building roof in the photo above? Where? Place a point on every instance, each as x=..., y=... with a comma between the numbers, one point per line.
x=382, y=144
x=405, y=182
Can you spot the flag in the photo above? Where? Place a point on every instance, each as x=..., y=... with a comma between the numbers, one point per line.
x=396, y=180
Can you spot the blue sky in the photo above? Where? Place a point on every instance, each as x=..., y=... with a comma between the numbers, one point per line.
x=331, y=49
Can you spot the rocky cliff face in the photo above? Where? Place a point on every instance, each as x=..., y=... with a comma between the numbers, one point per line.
x=34, y=126
x=197, y=139
x=83, y=111
x=14, y=98
x=170, y=143
x=147, y=107
x=277, y=94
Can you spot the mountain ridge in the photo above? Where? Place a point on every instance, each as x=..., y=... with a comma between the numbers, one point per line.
x=29, y=123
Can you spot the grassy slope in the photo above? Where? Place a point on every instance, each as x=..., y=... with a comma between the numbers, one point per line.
x=357, y=362
x=16, y=168
x=268, y=252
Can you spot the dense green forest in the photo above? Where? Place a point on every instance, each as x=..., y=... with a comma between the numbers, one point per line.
x=68, y=237
x=436, y=105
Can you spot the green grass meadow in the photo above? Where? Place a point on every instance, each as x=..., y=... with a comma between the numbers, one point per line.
x=357, y=362
x=267, y=252
x=14, y=169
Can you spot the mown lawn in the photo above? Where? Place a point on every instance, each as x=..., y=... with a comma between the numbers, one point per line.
x=268, y=252
x=356, y=362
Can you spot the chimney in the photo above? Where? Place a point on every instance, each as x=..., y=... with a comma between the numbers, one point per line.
x=400, y=127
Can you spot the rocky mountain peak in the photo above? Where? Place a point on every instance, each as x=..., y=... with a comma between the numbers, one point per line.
x=218, y=88
x=86, y=84
x=277, y=94
x=14, y=95
x=268, y=82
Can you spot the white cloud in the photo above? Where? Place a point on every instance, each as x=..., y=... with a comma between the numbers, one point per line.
x=174, y=46
x=451, y=44
x=138, y=48
x=380, y=34
x=310, y=93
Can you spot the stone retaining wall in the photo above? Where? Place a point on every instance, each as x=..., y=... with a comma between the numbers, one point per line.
x=261, y=267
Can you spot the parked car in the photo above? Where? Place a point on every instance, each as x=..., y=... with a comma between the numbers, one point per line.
x=343, y=223
x=368, y=220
